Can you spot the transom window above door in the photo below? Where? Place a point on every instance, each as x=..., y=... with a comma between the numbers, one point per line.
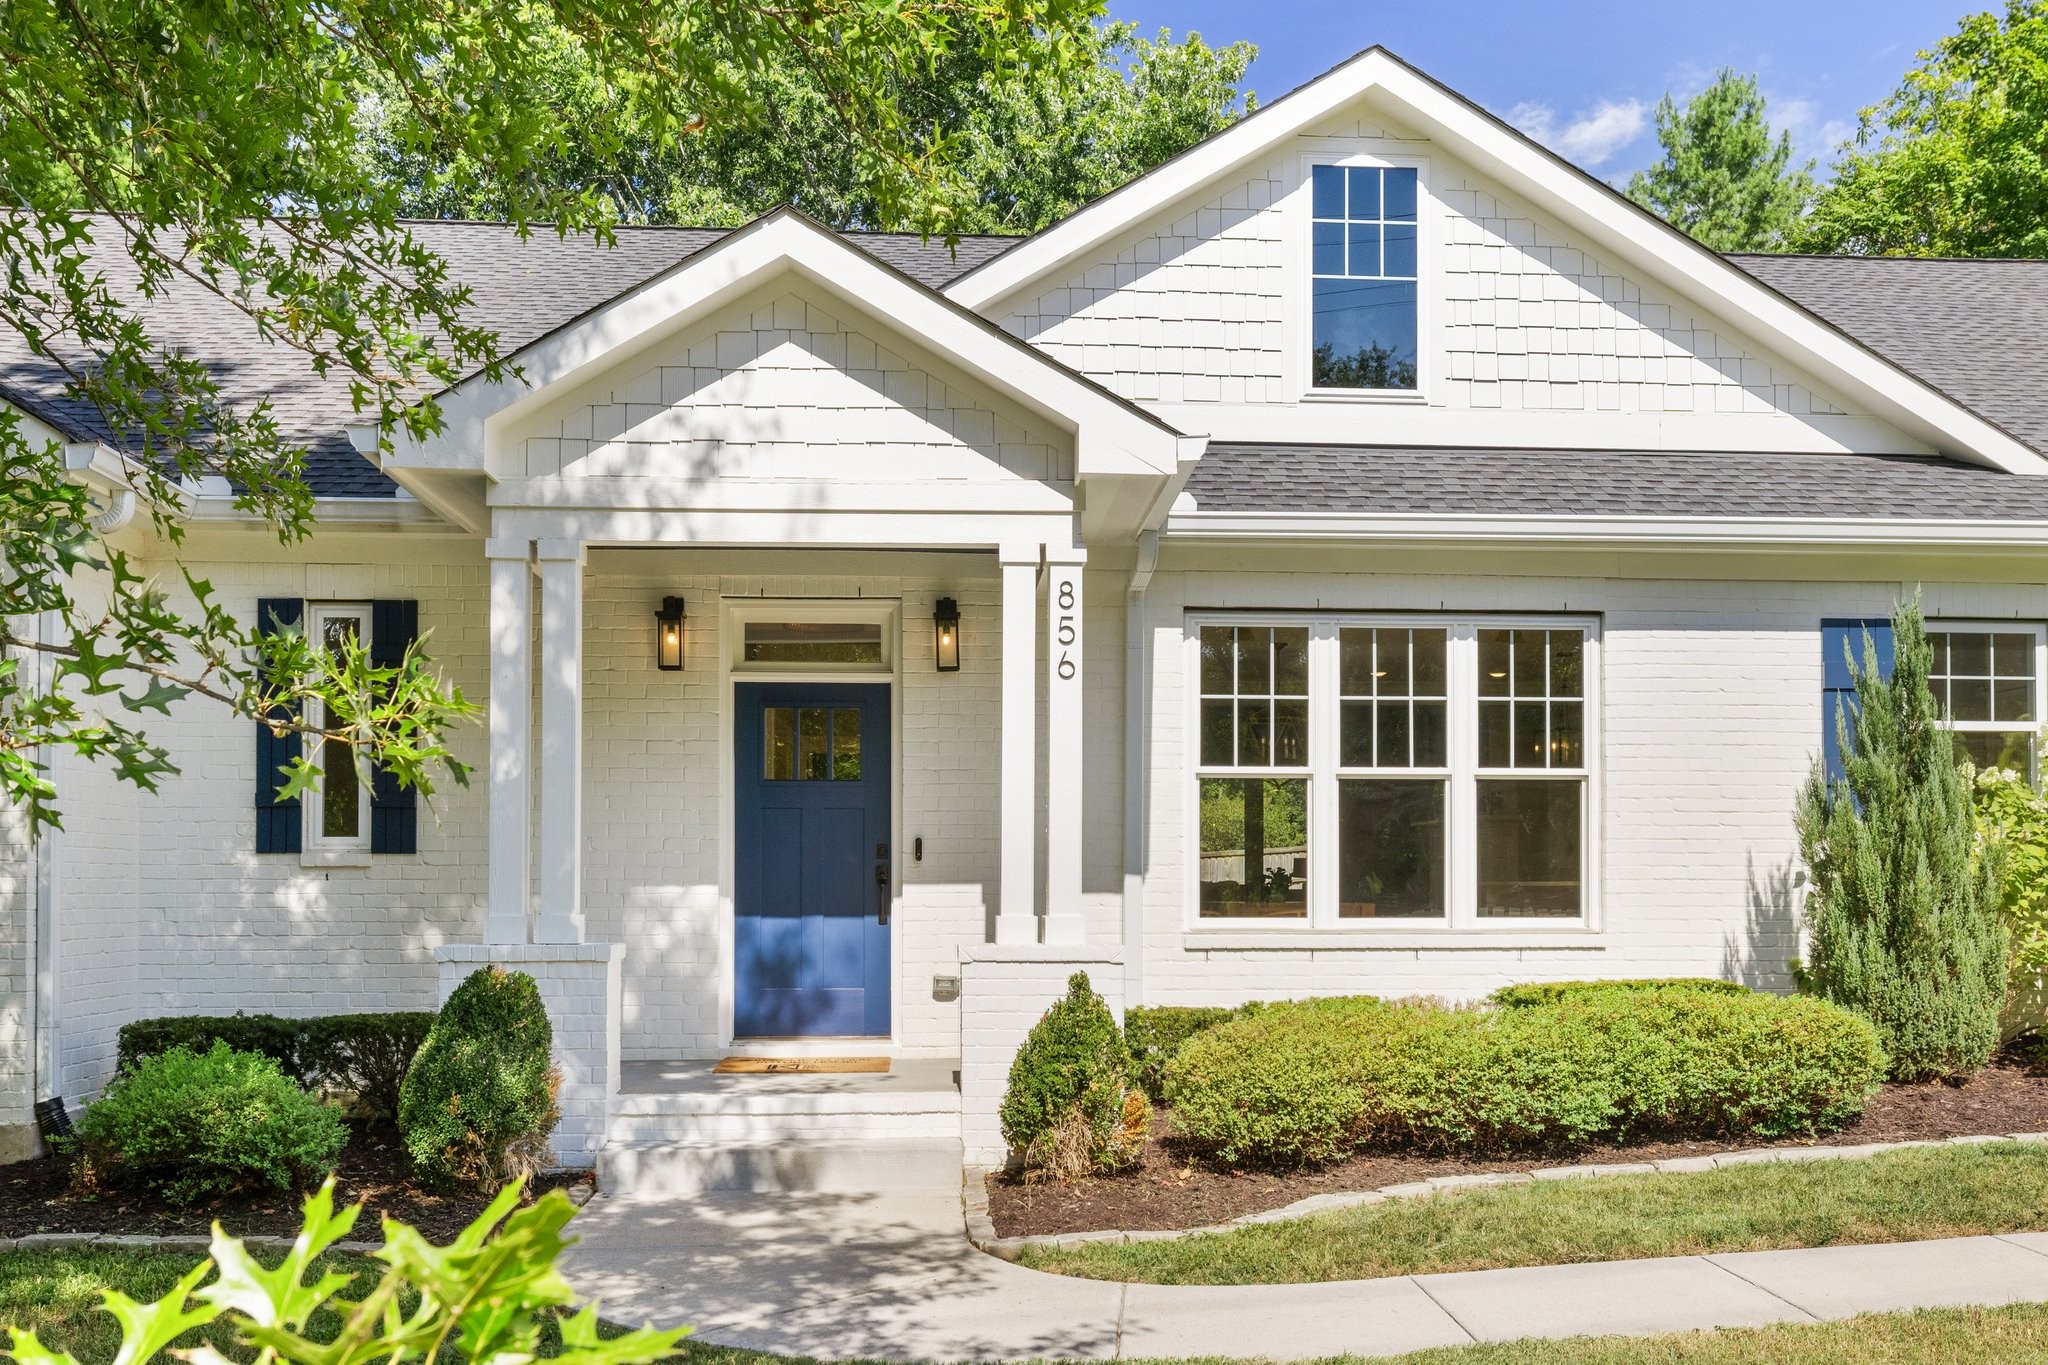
x=836, y=644
x=1409, y=771
x=1364, y=273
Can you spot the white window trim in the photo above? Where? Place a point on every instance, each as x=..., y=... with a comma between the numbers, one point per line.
x=317, y=848
x=1997, y=727
x=1302, y=295
x=881, y=613
x=1462, y=920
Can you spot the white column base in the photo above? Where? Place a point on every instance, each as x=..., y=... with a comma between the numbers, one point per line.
x=580, y=986
x=1004, y=990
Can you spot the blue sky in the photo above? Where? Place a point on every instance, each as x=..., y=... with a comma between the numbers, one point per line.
x=1583, y=75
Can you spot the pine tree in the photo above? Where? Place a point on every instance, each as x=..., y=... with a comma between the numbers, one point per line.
x=1724, y=179
x=1902, y=911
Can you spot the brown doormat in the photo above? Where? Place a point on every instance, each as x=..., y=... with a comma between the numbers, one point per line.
x=800, y=1066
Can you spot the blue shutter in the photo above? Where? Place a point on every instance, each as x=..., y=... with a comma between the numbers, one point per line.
x=277, y=822
x=394, y=810
x=1838, y=641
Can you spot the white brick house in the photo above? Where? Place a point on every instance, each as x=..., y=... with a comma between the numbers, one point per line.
x=1380, y=559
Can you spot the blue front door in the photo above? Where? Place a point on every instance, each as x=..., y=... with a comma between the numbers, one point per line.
x=812, y=878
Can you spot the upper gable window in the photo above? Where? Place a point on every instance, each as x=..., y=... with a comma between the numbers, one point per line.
x=1364, y=273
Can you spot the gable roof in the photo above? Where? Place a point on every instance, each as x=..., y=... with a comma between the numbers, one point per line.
x=522, y=289
x=1975, y=329
x=1588, y=208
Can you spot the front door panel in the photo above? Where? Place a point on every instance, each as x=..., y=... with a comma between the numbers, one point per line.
x=813, y=866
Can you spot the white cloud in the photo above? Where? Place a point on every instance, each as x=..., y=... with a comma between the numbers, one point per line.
x=1592, y=137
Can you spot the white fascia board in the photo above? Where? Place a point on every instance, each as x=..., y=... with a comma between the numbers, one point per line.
x=1108, y=429
x=1647, y=244
x=1815, y=533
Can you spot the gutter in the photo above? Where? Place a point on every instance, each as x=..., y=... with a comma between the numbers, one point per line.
x=1137, y=715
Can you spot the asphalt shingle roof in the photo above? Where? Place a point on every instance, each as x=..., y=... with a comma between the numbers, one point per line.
x=520, y=289
x=1976, y=330
x=1247, y=477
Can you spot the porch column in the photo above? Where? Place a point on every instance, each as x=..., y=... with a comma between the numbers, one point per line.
x=511, y=739
x=561, y=742
x=1017, y=911
x=1064, y=685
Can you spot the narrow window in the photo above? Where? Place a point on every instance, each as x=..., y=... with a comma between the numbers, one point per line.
x=1363, y=277
x=338, y=818
x=1254, y=825
x=1393, y=774
x=1531, y=773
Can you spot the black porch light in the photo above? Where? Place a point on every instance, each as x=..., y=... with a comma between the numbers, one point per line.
x=946, y=635
x=668, y=647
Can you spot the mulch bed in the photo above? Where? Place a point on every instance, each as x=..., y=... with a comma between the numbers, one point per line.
x=36, y=1196
x=1175, y=1188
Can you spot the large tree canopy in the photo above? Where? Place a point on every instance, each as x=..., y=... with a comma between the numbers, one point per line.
x=1724, y=179
x=1955, y=162
x=1026, y=149
x=218, y=141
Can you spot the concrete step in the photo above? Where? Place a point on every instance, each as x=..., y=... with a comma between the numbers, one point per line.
x=661, y=1170
x=769, y=1116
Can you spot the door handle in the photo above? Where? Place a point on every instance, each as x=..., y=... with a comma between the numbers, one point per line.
x=882, y=893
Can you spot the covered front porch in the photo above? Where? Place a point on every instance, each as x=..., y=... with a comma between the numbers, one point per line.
x=783, y=436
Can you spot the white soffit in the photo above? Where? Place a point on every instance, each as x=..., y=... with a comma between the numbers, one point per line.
x=1525, y=168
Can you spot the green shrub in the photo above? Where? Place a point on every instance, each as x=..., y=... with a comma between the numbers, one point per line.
x=1154, y=1033
x=478, y=1103
x=1903, y=912
x=364, y=1054
x=1544, y=992
x=267, y=1034
x=1312, y=1080
x=1069, y=1106
x=193, y=1126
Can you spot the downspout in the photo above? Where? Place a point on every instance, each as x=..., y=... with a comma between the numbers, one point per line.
x=1138, y=716
x=43, y=1003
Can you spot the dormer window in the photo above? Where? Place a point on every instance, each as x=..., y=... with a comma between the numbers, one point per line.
x=1364, y=273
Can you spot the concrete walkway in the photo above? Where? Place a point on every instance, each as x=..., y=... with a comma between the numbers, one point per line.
x=891, y=1277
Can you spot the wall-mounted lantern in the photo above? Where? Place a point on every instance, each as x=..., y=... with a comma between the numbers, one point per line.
x=668, y=646
x=946, y=635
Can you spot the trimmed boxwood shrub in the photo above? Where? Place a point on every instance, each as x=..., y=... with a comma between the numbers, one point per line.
x=1543, y=992
x=364, y=1054
x=191, y=1126
x=478, y=1103
x=1311, y=1081
x=1069, y=1107
x=1154, y=1033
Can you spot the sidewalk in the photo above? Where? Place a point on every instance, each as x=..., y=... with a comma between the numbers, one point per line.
x=892, y=1277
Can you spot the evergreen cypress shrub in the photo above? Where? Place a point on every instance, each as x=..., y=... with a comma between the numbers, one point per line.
x=196, y=1125
x=478, y=1103
x=1070, y=1107
x=1903, y=908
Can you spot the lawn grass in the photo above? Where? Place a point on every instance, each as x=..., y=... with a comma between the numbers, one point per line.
x=1897, y=1197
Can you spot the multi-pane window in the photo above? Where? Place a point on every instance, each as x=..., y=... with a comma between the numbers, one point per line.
x=1986, y=680
x=1363, y=274
x=1393, y=772
x=338, y=816
x=1254, y=716
x=1450, y=759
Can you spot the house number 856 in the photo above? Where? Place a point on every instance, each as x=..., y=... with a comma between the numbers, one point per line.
x=1064, y=631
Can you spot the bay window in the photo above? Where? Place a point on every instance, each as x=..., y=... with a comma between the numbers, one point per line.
x=1400, y=771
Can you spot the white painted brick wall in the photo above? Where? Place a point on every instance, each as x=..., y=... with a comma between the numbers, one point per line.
x=1201, y=305
x=579, y=987
x=786, y=389
x=1004, y=991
